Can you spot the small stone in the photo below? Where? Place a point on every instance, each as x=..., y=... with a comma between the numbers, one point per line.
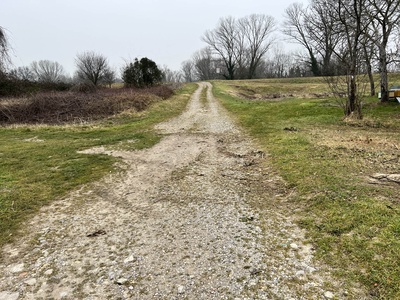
x=394, y=177
x=311, y=269
x=17, y=268
x=106, y=282
x=14, y=252
x=48, y=272
x=308, y=268
x=294, y=246
x=329, y=295
x=300, y=273
x=181, y=289
x=9, y=296
x=129, y=259
x=252, y=283
x=63, y=294
x=121, y=281
x=31, y=281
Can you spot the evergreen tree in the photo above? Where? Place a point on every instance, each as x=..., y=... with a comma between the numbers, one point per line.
x=142, y=73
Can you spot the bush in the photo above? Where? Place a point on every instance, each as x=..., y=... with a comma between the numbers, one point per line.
x=161, y=91
x=14, y=87
x=143, y=73
x=84, y=87
x=72, y=106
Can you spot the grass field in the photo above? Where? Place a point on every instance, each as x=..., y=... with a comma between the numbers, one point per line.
x=39, y=164
x=353, y=221
x=327, y=162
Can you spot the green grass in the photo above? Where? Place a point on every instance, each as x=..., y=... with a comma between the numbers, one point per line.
x=327, y=161
x=39, y=164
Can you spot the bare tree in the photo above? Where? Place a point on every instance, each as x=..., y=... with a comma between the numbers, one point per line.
x=295, y=26
x=256, y=30
x=224, y=41
x=110, y=76
x=369, y=50
x=170, y=76
x=395, y=55
x=91, y=67
x=384, y=16
x=283, y=62
x=351, y=23
x=23, y=73
x=241, y=44
x=320, y=27
x=47, y=71
x=277, y=65
x=206, y=66
x=4, y=48
x=188, y=70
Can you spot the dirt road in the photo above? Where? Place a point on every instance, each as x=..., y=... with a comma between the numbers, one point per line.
x=191, y=218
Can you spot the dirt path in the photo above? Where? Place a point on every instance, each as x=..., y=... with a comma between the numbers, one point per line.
x=182, y=221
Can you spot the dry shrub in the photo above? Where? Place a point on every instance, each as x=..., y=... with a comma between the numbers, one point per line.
x=78, y=105
x=84, y=87
x=128, y=99
x=162, y=91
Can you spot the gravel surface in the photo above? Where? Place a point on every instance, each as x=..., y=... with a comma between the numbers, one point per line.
x=195, y=217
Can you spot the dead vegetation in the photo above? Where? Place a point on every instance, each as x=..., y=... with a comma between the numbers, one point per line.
x=79, y=105
x=281, y=96
x=375, y=154
x=270, y=92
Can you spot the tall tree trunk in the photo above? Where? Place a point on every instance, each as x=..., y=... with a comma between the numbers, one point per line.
x=315, y=69
x=368, y=55
x=252, y=69
x=352, y=98
x=231, y=68
x=383, y=72
x=371, y=80
x=326, y=68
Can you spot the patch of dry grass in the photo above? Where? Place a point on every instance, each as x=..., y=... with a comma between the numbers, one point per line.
x=278, y=89
x=67, y=107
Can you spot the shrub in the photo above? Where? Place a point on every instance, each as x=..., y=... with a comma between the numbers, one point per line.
x=161, y=91
x=84, y=87
x=14, y=87
x=72, y=106
x=143, y=73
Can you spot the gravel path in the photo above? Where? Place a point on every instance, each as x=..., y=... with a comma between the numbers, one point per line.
x=194, y=217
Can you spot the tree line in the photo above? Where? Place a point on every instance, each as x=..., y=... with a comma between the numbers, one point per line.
x=345, y=41
x=91, y=68
x=341, y=37
x=348, y=37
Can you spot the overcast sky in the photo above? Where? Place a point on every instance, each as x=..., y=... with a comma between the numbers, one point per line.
x=167, y=32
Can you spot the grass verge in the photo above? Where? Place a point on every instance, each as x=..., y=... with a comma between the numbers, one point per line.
x=40, y=163
x=353, y=221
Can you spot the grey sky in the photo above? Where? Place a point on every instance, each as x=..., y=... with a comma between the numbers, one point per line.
x=167, y=32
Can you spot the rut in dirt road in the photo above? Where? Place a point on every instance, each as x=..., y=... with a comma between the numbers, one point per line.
x=181, y=221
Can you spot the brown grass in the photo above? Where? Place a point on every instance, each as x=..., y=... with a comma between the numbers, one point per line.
x=73, y=106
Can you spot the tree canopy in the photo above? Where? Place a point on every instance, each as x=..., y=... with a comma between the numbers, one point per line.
x=91, y=67
x=141, y=73
x=4, y=47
